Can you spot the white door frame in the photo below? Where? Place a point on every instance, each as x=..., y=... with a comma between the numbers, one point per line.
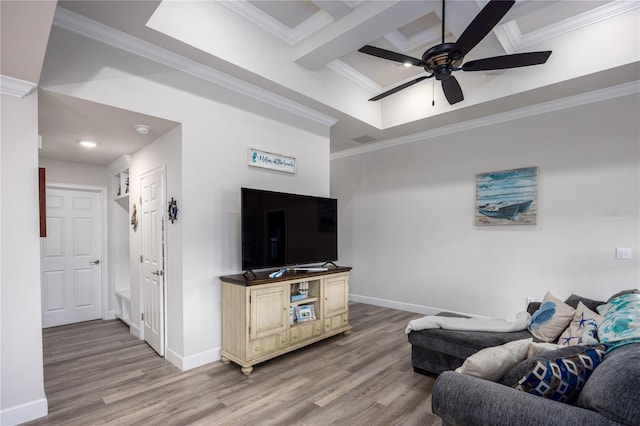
x=104, y=247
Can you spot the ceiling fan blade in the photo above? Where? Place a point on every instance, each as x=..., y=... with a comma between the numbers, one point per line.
x=481, y=25
x=399, y=88
x=452, y=90
x=392, y=56
x=507, y=61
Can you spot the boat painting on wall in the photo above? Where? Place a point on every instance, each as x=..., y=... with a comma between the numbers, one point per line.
x=507, y=197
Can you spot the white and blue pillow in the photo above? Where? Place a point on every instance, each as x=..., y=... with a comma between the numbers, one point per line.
x=583, y=329
x=551, y=319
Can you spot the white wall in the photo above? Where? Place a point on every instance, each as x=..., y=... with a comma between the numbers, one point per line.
x=22, y=394
x=215, y=138
x=406, y=214
x=76, y=173
x=165, y=152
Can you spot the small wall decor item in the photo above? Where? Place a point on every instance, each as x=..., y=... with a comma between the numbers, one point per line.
x=507, y=197
x=173, y=210
x=268, y=160
x=134, y=218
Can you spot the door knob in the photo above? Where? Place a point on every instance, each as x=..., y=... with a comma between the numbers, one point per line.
x=95, y=262
x=156, y=273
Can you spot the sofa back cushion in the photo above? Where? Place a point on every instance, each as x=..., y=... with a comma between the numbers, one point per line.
x=574, y=299
x=612, y=390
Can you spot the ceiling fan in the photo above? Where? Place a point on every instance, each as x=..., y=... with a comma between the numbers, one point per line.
x=441, y=60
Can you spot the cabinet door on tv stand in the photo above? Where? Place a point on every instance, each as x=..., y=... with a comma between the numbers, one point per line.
x=269, y=311
x=336, y=302
x=336, y=295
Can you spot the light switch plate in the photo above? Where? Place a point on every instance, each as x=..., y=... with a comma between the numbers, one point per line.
x=623, y=253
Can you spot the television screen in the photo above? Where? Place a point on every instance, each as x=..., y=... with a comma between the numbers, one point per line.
x=280, y=229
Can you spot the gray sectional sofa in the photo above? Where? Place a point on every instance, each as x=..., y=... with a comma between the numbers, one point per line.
x=610, y=396
x=436, y=350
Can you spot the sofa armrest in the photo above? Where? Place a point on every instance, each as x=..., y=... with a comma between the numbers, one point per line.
x=460, y=399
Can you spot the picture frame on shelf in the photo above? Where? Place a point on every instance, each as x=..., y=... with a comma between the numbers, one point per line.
x=305, y=313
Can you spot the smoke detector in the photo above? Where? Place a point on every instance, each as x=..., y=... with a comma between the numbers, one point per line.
x=143, y=129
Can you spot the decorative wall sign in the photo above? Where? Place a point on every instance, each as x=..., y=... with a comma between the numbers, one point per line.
x=508, y=197
x=173, y=210
x=268, y=160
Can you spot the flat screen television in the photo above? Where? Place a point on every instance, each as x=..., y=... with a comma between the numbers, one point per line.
x=280, y=229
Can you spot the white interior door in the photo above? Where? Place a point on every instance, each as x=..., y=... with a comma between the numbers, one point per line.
x=152, y=250
x=70, y=258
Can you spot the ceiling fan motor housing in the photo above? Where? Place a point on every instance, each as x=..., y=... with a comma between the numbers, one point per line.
x=438, y=62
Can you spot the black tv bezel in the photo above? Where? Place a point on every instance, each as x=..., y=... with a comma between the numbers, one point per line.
x=285, y=264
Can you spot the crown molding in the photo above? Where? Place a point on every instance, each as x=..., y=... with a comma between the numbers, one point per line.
x=15, y=87
x=530, y=111
x=513, y=40
x=291, y=36
x=349, y=72
x=97, y=31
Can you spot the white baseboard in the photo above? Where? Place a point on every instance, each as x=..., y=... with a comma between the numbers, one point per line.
x=135, y=330
x=409, y=307
x=192, y=361
x=24, y=412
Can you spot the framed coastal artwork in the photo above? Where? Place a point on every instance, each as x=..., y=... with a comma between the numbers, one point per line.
x=507, y=197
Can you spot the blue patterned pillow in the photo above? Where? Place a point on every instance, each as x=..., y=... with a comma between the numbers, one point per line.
x=621, y=323
x=561, y=379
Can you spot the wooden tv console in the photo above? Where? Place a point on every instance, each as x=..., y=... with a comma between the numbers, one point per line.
x=256, y=313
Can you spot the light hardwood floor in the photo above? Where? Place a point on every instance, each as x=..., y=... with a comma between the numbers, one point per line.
x=98, y=373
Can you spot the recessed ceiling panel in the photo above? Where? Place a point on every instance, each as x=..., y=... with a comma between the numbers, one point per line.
x=290, y=13
x=421, y=24
x=552, y=12
x=383, y=73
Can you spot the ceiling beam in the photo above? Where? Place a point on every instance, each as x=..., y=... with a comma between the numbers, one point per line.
x=459, y=15
x=365, y=24
x=336, y=8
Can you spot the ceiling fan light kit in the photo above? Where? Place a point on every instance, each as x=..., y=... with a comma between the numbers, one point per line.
x=442, y=60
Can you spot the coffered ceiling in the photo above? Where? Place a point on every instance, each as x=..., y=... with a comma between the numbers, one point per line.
x=306, y=52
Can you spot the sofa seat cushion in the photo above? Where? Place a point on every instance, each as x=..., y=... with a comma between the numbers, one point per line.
x=462, y=344
x=612, y=390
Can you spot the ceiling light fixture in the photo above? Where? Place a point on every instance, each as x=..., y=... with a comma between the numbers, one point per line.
x=143, y=129
x=88, y=144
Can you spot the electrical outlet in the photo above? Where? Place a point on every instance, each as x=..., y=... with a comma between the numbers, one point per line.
x=529, y=300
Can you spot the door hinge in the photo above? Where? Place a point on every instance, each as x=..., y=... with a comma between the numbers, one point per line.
x=140, y=258
x=141, y=317
x=140, y=200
